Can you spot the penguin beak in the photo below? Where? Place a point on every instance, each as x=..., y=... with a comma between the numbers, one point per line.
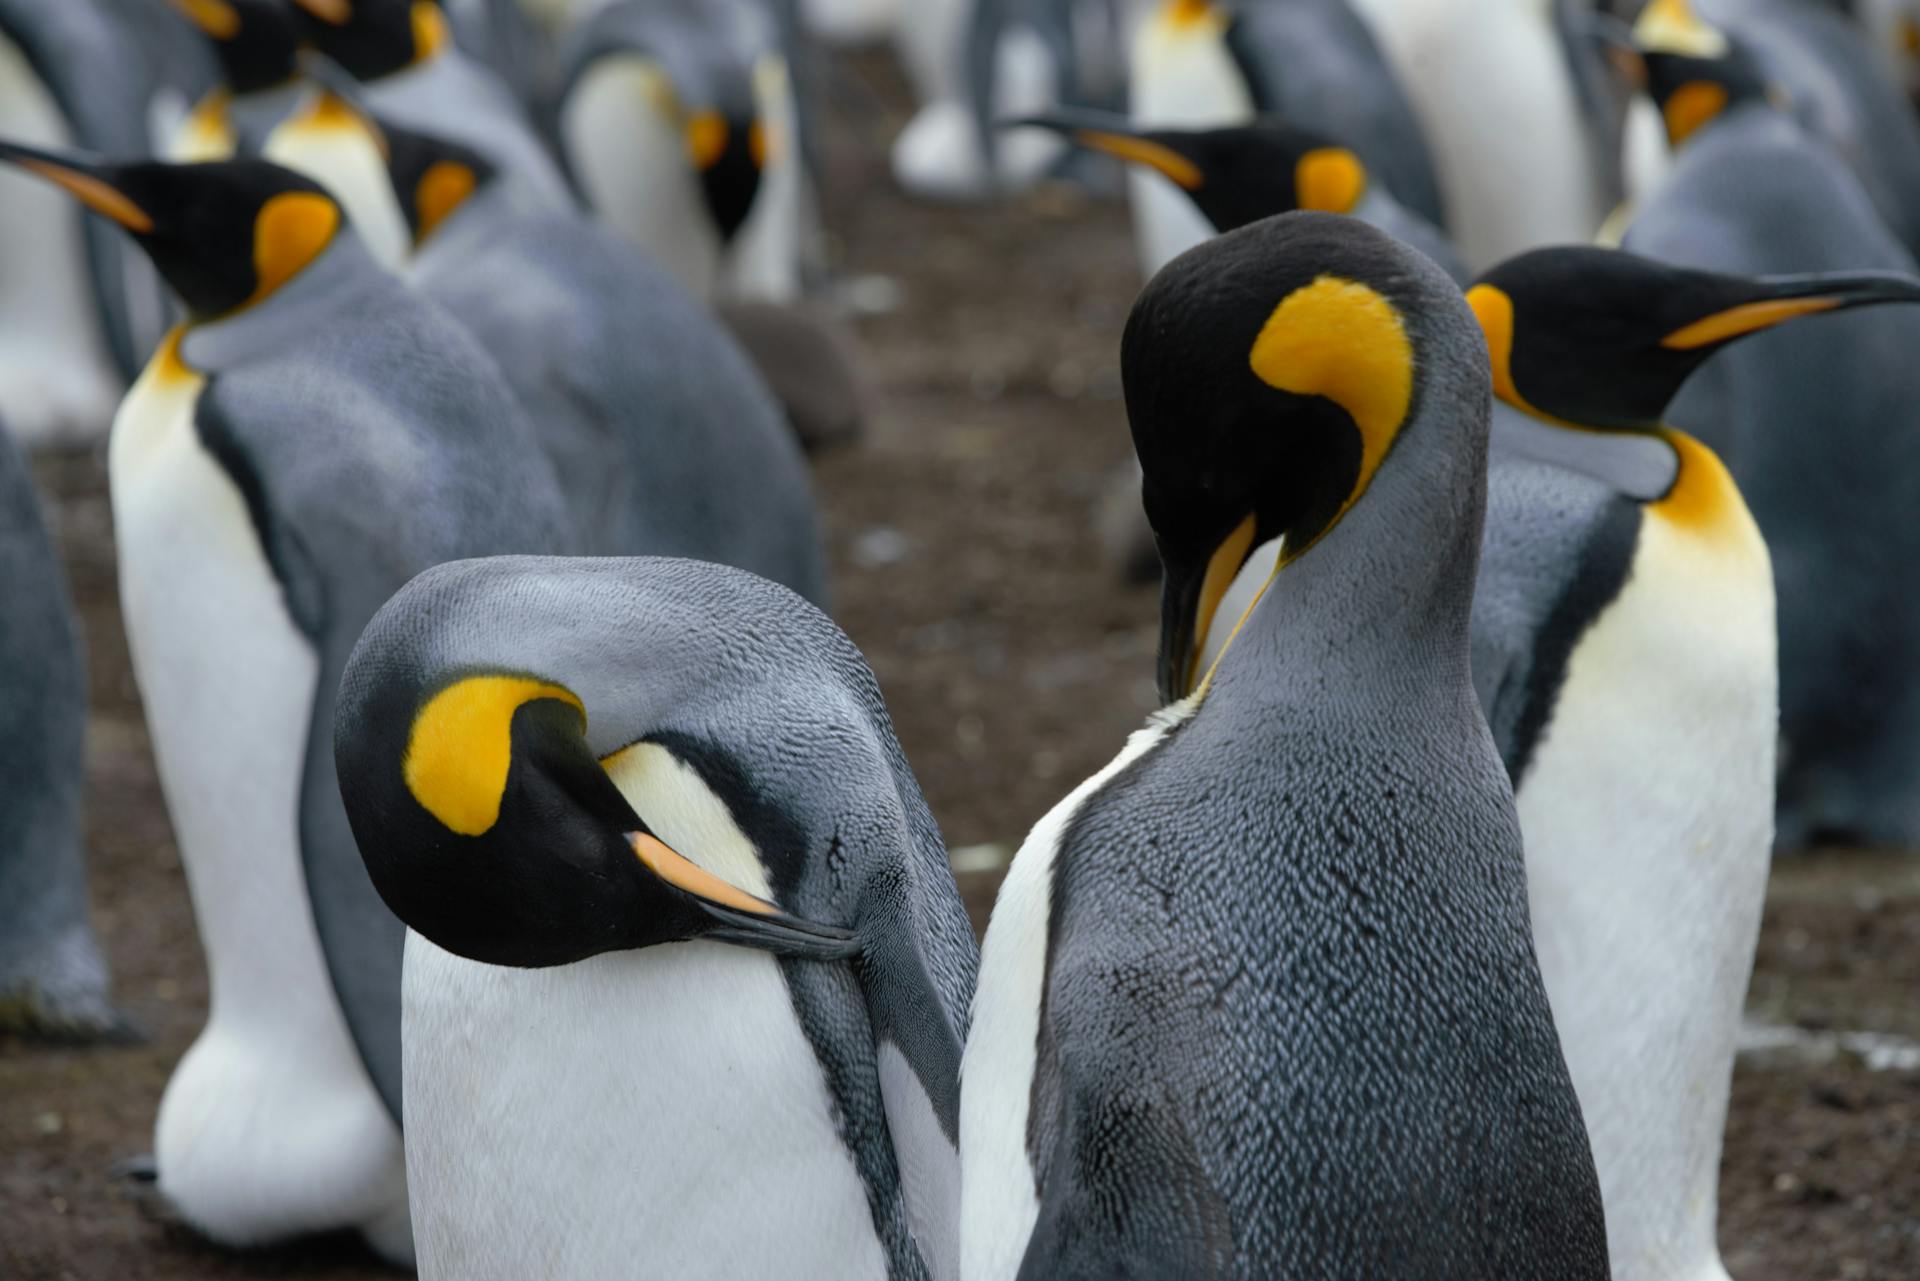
x=1190, y=608
x=1098, y=131
x=729, y=154
x=1784, y=298
x=740, y=917
x=85, y=179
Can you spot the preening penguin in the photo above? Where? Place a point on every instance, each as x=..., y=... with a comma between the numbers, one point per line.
x=1311, y=63
x=311, y=438
x=578, y=781
x=1267, y=980
x=53, y=979
x=678, y=121
x=1807, y=421
x=1624, y=654
x=257, y=45
x=664, y=439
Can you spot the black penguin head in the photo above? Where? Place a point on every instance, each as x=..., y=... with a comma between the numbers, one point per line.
x=1601, y=338
x=1236, y=174
x=256, y=41
x=489, y=827
x=728, y=150
x=432, y=176
x=374, y=38
x=1268, y=374
x=223, y=235
x=1695, y=72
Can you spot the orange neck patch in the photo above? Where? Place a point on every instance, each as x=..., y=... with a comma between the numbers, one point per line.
x=1690, y=106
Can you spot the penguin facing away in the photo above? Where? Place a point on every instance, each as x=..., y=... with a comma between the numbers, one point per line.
x=1303, y=881
x=684, y=935
x=664, y=439
x=257, y=45
x=53, y=978
x=1753, y=193
x=1624, y=653
x=312, y=437
x=1237, y=174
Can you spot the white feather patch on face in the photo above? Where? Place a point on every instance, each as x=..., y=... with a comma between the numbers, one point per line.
x=673, y=800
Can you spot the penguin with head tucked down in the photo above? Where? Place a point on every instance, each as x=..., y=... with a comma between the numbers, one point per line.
x=53, y=979
x=1312, y=63
x=1624, y=654
x=403, y=52
x=678, y=121
x=1237, y=174
x=1802, y=418
x=312, y=436
x=664, y=439
x=1267, y=980
x=257, y=44
x=683, y=933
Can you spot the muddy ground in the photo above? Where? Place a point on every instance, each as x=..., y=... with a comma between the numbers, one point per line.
x=968, y=572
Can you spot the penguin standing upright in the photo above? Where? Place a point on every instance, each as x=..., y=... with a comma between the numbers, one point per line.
x=1803, y=419
x=1267, y=980
x=1624, y=653
x=53, y=980
x=664, y=439
x=1312, y=63
x=257, y=44
x=313, y=436
x=577, y=781
x=679, y=122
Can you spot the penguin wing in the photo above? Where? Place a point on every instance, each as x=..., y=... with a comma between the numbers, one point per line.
x=1557, y=551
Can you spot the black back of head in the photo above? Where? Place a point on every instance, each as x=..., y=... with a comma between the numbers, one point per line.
x=374, y=38
x=432, y=175
x=256, y=41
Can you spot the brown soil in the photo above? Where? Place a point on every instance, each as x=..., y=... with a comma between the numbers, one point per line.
x=968, y=572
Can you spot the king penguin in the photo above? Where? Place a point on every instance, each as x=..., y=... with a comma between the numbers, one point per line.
x=1259, y=999
x=403, y=52
x=257, y=45
x=600, y=793
x=1624, y=651
x=665, y=440
x=53, y=979
x=678, y=120
x=1802, y=418
x=312, y=436
x=1312, y=63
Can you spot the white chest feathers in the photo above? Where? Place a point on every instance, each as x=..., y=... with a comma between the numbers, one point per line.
x=639, y=1114
x=328, y=144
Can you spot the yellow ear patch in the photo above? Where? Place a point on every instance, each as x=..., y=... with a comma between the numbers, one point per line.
x=443, y=188
x=1744, y=319
x=684, y=874
x=706, y=139
x=289, y=232
x=1690, y=106
x=430, y=34
x=461, y=745
x=1330, y=179
x=1494, y=310
x=1671, y=26
x=104, y=199
x=1165, y=161
x=1342, y=340
x=215, y=18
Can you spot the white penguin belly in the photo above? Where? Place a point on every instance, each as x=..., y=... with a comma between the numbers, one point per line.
x=1183, y=75
x=56, y=379
x=269, y=1127
x=999, y=1202
x=657, y=1113
x=1647, y=813
x=633, y=169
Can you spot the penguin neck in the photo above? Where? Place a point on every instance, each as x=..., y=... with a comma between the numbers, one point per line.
x=333, y=283
x=478, y=219
x=1640, y=464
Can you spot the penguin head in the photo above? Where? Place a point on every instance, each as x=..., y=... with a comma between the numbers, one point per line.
x=374, y=38
x=432, y=176
x=256, y=41
x=1236, y=174
x=1695, y=72
x=223, y=235
x=1603, y=339
x=728, y=149
x=1269, y=374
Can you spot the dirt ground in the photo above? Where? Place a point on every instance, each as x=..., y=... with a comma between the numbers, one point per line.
x=968, y=572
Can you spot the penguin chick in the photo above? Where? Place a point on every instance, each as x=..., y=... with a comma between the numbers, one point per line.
x=1242, y=173
x=575, y=779
x=665, y=441
x=1259, y=999
x=257, y=45
x=312, y=437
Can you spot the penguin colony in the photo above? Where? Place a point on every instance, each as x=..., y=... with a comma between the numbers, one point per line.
x=570, y=906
